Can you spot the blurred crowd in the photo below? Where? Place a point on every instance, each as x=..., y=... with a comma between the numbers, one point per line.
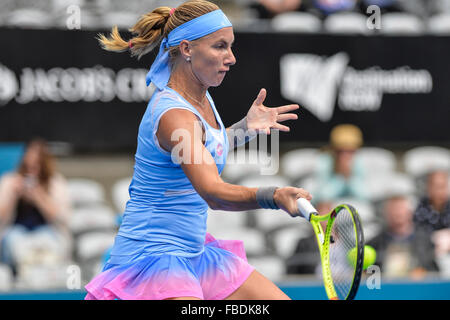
x=348, y=16
x=406, y=218
x=403, y=199
x=324, y=8
x=50, y=223
x=34, y=213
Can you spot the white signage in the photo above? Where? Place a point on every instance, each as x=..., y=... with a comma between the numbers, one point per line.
x=316, y=82
x=73, y=84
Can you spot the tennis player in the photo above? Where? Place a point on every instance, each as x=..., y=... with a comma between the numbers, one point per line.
x=162, y=249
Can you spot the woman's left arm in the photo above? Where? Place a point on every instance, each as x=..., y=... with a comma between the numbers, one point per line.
x=260, y=119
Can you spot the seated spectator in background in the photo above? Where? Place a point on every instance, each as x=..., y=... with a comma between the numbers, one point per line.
x=33, y=201
x=419, y=8
x=401, y=251
x=432, y=215
x=385, y=6
x=339, y=174
x=324, y=8
x=305, y=258
x=267, y=9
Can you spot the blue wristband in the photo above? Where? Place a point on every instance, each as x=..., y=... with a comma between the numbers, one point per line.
x=264, y=197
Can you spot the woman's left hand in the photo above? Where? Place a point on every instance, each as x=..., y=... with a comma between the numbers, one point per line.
x=35, y=194
x=261, y=118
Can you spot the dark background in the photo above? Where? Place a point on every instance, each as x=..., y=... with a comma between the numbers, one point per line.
x=403, y=120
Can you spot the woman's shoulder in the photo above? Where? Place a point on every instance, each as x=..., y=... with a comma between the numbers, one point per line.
x=163, y=100
x=8, y=180
x=165, y=97
x=8, y=177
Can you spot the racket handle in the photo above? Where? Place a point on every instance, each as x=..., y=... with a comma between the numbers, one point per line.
x=305, y=208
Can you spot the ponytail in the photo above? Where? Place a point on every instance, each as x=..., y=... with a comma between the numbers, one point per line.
x=148, y=31
x=152, y=27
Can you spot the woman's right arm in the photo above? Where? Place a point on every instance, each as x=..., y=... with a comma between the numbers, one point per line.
x=178, y=134
x=10, y=189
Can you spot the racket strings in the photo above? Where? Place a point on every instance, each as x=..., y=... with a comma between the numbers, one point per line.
x=342, y=277
x=344, y=235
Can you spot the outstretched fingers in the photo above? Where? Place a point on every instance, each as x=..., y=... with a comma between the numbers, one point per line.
x=261, y=97
x=287, y=108
x=286, y=116
x=281, y=127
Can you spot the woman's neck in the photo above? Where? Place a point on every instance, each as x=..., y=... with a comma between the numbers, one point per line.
x=187, y=84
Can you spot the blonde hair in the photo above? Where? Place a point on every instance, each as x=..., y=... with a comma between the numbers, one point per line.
x=152, y=27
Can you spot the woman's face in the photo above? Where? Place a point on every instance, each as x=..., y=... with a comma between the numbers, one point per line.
x=438, y=187
x=344, y=161
x=211, y=57
x=32, y=161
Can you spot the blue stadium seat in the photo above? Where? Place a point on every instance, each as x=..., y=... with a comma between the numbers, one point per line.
x=10, y=156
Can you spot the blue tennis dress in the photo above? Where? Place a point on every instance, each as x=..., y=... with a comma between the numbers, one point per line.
x=162, y=249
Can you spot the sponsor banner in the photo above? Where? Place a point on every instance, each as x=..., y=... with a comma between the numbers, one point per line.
x=395, y=88
x=317, y=82
x=60, y=85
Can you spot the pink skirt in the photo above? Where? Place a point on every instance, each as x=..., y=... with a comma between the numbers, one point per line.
x=213, y=275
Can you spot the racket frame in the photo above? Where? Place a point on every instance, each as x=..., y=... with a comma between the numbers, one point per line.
x=323, y=241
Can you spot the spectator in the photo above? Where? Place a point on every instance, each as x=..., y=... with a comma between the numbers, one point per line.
x=306, y=257
x=386, y=6
x=432, y=215
x=339, y=174
x=267, y=9
x=401, y=251
x=327, y=7
x=420, y=8
x=33, y=202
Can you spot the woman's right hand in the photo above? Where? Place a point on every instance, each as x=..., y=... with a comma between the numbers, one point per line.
x=286, y=199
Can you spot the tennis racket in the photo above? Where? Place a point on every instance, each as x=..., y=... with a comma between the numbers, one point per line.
x=341, y=246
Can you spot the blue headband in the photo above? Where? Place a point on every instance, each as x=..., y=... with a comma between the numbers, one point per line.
x=159, y=73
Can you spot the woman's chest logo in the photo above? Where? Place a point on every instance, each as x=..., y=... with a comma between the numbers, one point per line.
x=219, y=149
